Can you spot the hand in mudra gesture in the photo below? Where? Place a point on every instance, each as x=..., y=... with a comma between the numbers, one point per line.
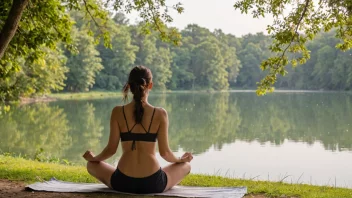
x=89, y=156
x=187, y=157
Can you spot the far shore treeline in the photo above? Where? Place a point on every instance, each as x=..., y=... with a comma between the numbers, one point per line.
x=210, y=60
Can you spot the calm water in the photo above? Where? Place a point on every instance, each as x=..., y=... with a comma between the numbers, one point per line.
x=295, y=137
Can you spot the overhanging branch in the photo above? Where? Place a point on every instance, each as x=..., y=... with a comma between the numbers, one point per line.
x=295, y=32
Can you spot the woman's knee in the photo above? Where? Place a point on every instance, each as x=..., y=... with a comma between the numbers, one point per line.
x=90, y=167
x=187, y=167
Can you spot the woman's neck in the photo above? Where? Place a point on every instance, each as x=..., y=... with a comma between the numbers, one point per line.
x=144, y=100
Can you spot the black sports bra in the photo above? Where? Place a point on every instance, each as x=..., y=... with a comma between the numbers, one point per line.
x=129, y=136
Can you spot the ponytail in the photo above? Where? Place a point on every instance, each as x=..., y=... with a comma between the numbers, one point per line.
x=138, y=86
x=138, y=94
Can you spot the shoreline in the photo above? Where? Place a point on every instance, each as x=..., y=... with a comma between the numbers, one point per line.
x=24, y=101
x=29, y=171
x=113, y=94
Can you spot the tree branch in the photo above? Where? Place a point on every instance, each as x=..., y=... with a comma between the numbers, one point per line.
x=295, y=32
x=11, y=24
x=90, y=14
x=41, y=19
x=154, y=18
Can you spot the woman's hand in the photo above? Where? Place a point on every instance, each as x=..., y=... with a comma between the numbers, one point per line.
x=187, y=157
x=89, y=156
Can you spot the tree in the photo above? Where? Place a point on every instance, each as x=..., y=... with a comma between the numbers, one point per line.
x=250, y=58
x=182, y=77
x=117, y=60
x=45, y=75
x=174, y=67
x=84, y=64
x=328, y=68
x=161, y=67
x=26, y=26
x=208, y=65
x=341, y=73
x=35, y=77
x=157, y=58
x=230, y=56
x=196, y=33
x=11, y=23
x=45, y=13
x=322, y=69
x=120, y=18
x=293, y=30
x=35, y=34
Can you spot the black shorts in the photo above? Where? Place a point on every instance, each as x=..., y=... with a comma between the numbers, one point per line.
x=155, y=183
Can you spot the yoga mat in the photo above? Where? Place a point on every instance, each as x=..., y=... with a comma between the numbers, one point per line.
x=178, y=191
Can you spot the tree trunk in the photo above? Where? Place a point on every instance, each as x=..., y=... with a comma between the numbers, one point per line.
x=11, y=24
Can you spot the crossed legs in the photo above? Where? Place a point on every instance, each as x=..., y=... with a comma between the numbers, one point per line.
x=102, y=171
x=175, y=172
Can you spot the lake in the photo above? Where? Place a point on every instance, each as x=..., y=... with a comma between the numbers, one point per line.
x=294, y=137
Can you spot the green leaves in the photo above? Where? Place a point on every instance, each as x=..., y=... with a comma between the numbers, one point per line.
x=84, y=65
x=155, y=16
x=118, y=59
x=44, y=24
x=208, y=65
x=35, y=37
x=293, y=30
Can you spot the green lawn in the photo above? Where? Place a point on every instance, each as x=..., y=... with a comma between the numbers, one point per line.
x=30, y=171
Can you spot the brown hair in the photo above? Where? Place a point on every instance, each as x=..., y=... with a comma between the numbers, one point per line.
x=138, y=81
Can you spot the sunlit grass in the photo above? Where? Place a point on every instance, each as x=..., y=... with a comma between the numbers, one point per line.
x=105, y=94
x=31, y=171
x=85, y=95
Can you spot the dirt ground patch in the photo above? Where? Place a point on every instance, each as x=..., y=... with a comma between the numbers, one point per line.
x=16, y=189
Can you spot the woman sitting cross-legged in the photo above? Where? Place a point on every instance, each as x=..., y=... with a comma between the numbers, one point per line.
x=139, y=125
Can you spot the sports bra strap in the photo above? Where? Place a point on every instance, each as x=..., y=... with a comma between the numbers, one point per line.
x=132, y=128
x=123, y=110
x=151, y=121
x=144, y=128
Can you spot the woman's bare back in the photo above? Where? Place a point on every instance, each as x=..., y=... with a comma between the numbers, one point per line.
x=142, y=161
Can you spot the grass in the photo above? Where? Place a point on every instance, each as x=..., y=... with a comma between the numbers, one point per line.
x=85, y=95
x=103, y=94
x=31, y=171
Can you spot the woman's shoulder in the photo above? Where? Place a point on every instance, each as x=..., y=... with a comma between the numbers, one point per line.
x=158, y=110
x=161, y=111
x=117, y=109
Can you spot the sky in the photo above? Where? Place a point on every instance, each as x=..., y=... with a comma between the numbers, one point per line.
x=216, y=14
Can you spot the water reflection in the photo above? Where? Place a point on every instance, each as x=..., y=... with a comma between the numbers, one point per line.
x=28, y=128
x=201, y=120
x=198, y=122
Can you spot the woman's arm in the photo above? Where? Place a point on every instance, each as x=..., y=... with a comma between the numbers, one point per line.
x=114, y=139
x=163, y=141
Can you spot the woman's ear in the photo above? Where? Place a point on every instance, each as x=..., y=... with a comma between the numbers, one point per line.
x=150, y=86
